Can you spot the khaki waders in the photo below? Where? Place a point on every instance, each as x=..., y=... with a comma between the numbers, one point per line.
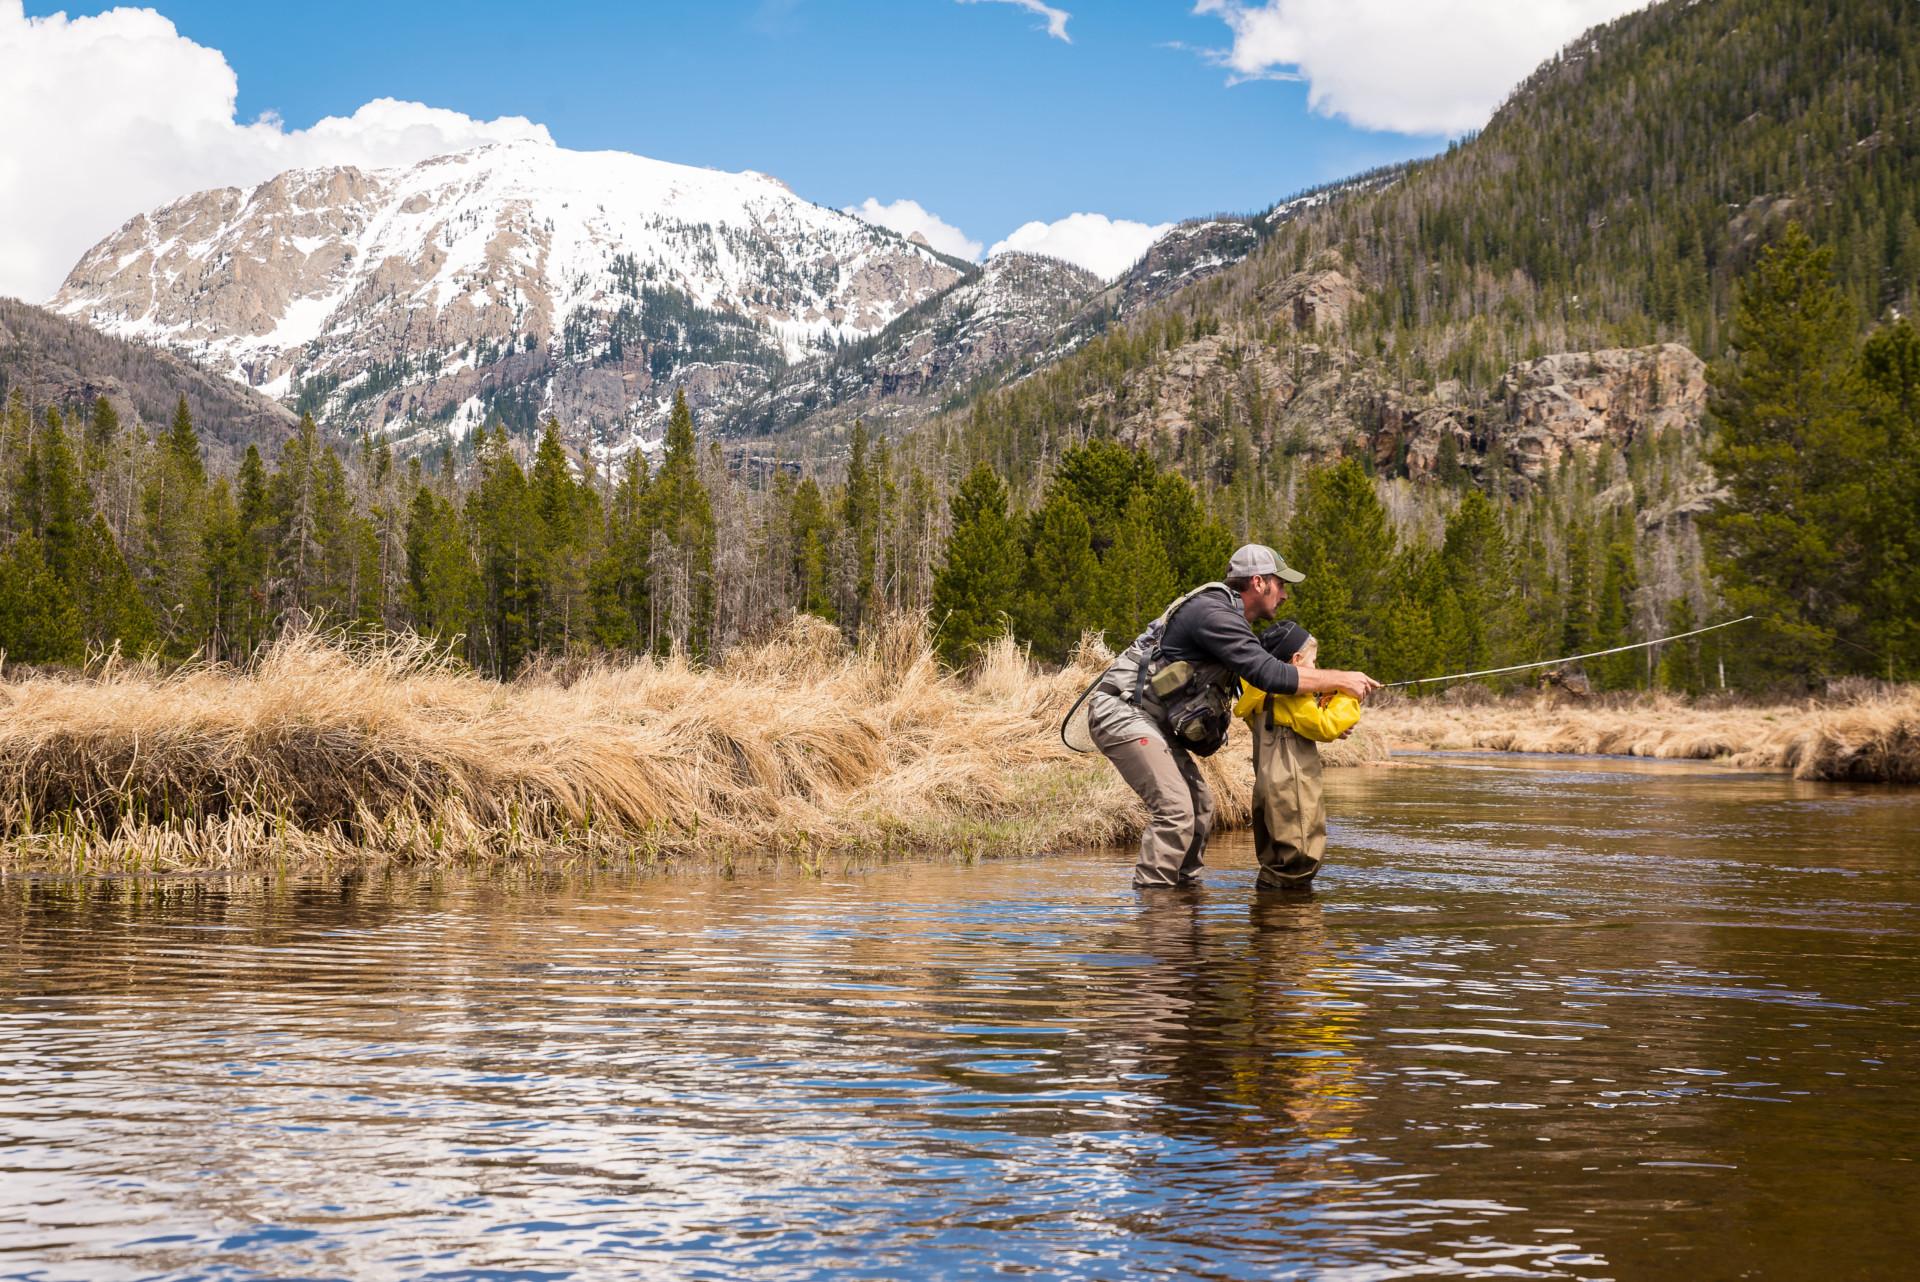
x=1179, y=803
x=1127, y=721
x=1289, y=815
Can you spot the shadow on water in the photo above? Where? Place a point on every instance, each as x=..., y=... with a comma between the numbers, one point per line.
x=1574, y=1018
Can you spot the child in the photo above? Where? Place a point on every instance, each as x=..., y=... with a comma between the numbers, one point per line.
x=1289, y=815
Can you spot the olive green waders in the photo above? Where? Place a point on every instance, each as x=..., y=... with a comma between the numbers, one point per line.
x=1289, y=815
x=1168, y=779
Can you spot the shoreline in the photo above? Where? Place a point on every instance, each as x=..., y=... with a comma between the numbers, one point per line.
x=1869, y=737
x=329, y=753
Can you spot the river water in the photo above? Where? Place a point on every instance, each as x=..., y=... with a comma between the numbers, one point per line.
x=1545, y=1018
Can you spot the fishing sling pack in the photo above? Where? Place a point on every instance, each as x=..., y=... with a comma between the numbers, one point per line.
x=1197, y=699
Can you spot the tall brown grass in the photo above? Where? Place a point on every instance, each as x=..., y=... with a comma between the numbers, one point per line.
x=1870, y=732
x=329, y=750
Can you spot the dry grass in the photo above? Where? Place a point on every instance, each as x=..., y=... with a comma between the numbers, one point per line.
x=1869, y=733
x=329, y=751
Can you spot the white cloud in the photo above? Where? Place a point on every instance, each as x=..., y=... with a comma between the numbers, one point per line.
x=1433, y=67
x=1055, y=19
x=107, y=116
x=1104, y=246
x=909, y=216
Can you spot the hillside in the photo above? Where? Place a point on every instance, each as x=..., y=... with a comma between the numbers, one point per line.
x=1603, y=214
x=51, y=360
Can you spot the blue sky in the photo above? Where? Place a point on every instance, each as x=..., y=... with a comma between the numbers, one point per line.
x=988, y=113
x=972, y=110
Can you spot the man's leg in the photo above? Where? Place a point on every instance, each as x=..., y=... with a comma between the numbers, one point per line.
x=1141, y=754
x=1196, y=853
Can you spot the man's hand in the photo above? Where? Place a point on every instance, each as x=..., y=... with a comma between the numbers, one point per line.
x=1357, y=684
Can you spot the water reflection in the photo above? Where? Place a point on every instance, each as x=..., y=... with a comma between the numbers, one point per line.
x=1551, y=1020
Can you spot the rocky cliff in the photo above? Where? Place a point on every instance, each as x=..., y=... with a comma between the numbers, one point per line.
x=1305, y=389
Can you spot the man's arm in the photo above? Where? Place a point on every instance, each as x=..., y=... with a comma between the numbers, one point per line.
x=1322, y=680
x=1210, y=628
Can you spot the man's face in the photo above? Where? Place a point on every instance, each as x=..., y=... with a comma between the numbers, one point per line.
x=1265, y=594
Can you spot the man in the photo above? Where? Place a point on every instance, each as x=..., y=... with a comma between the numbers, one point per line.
x=1170, y=695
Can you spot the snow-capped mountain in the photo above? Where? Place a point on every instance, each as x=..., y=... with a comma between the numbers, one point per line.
x=515, y=280
x=987, y=328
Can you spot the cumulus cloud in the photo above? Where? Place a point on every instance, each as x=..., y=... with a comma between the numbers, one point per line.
x=909, y=216
x=111, y=115
x=1437, y=67
x=1104, y=246
x=1055, y=19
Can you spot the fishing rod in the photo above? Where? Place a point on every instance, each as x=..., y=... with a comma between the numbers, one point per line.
x=1073, y=722
x=1571, y=658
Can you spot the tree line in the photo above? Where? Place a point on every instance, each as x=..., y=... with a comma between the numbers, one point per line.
x=111, y=538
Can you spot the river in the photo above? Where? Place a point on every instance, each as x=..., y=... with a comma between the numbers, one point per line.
x=1570, y=1017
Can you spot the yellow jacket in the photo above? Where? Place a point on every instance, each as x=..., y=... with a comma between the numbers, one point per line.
x=1322, y=718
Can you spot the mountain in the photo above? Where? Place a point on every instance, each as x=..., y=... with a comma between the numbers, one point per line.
x=52, y=360
x=1020, y=314
x=986, y=328
x=516, y=280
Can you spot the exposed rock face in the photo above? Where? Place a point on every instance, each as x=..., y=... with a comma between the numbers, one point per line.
x=1316, y=300
x=1579, y=400
x=988, y=326
x=518, y=279
x=1320, y=397
x=1187, y=253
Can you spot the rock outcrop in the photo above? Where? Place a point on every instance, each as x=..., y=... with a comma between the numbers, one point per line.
x=1580, y=400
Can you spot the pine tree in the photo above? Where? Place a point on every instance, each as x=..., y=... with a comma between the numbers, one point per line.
x=1579, y=600
x=978, y=587
x=223, y=551
x=1479, y=573
x=1062, y=577
x=1613, y=616
x=1136, y=580
x=53, y=502
x=1785, y=543
x=253, y=585
x=568, y=514
x=172, y=498
x=442, y=582
x=107, y=597
x=860, y=518
x=1197, y=547
x=620, y=587
x=1891, y=372
x=680, y=562
x=1680, y=670
x=1347, y=550
x=506, y=541
x=38, y=621
x=813, y=536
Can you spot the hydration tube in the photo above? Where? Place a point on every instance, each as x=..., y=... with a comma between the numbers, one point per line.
x=1086, y=735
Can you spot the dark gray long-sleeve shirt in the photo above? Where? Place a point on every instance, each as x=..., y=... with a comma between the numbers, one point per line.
x=1212, y=628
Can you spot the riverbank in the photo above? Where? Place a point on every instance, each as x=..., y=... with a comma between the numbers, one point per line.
x=801, y=749
x=332, y=753
x=1871, y=734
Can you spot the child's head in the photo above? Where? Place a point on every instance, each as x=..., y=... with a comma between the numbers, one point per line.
x=1286, y=640
x=1306, y=655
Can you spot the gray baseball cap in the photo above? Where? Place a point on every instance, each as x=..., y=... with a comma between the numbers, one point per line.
x=1257, y=558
